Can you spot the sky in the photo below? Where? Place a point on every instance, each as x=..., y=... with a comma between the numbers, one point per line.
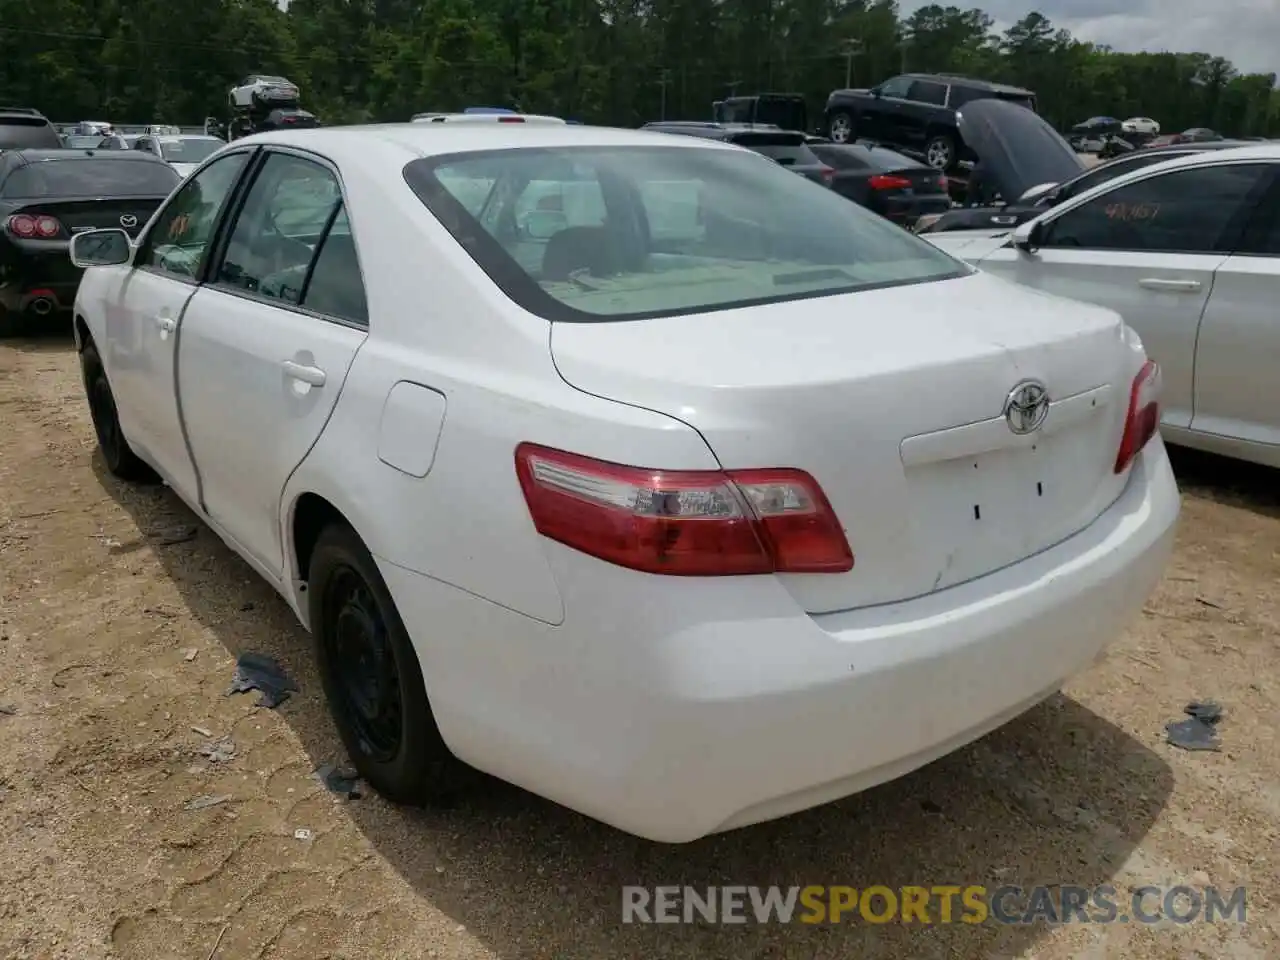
x=1246, y=32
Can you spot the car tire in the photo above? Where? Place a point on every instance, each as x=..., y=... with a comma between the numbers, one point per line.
x=840, y=127
x=119, y=457
x=372, y=677
x=941, y=153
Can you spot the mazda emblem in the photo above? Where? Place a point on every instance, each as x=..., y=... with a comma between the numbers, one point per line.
x=1026, y=407
x=128, y=220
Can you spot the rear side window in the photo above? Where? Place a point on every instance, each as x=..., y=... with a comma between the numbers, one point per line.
x=99, y=176
x=1186, y=211
x=927, y=91
x=1021, y=99
x=17, y=133
x=336, y=287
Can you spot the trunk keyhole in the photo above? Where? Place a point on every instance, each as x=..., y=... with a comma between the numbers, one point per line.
x=1039, y=489
x=977, y=512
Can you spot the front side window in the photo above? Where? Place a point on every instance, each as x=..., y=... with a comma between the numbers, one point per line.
x=898, y=87
x=1199, y=210
x=655, y=231
x=178, y=240
x=279, y=226
x=1109, y=171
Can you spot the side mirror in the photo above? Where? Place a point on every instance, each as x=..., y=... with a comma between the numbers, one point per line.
x=101, y=248
x=875, y=92
x=1029, y=236
x=1033, y=195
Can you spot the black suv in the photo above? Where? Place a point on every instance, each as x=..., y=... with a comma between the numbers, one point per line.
x=788, y=148
x=915, y=111
x=24, y=127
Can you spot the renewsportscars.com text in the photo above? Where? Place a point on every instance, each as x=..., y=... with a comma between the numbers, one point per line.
x=945, y=904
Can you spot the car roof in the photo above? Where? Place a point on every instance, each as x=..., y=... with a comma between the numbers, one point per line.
x=1266, y=152
x=175, y=137
x=413, y=140
x=959, y=80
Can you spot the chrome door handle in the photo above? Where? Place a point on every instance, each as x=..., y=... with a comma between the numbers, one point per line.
x=1174, y=286
x=166, y=324
x=304, y=374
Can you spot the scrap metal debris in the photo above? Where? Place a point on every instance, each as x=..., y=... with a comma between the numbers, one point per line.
x=221, y=750
x=204, y=803
x=1199, y=730
x=303, y=834
x=342, y=783
x=191, y=654
x=257, y=672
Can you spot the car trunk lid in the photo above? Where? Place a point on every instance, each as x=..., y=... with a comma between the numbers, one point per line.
x=80, y=214
x=900, y=422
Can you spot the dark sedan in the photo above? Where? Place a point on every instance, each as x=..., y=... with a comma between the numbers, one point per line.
x=895, y=186
x=787, y=148
x=46, y=196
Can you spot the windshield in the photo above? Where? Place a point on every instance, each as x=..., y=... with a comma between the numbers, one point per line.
x=188, y=150
x=619, y=233
x=100, y=177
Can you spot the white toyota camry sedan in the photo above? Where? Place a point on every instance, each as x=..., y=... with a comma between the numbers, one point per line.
x=626, y=467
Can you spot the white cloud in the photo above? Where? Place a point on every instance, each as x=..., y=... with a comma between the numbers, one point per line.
x=1246, y=32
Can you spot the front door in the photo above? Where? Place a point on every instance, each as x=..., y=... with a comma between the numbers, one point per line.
x=1237, y=391
x=142, y=325
x=266, y=346
x=1147, y=249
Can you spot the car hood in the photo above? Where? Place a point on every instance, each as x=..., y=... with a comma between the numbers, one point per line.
x=184, y=169
x=971, y=246
x=1017, y=148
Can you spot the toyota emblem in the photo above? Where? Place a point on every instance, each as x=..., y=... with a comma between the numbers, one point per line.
x=128, y=221
x=1026, y=407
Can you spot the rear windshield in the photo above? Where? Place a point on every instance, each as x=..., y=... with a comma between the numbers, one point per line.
x=188, y=151
x=19, y=132
x=857, y=157
x=623, y=233
x=789, y=154
x=98, y=177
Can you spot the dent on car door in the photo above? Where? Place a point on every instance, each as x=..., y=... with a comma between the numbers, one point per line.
x=142, y=325
x=1147, y=249
x=1237, y=392
x=266, y=346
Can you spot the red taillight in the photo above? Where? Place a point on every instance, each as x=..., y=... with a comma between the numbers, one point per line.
x=27, y=227
x=883, y=181
x=505, y=119
x=1142, y=419
x=944, y=185
x=828, y=175
x=683, y=523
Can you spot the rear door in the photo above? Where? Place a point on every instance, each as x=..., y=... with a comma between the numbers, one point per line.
x=927, y=99
x=1237, y=392
x=266, y=345
x=1148, y=249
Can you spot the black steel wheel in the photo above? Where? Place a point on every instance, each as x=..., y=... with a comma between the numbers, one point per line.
x=372, y=677
x=116, y=452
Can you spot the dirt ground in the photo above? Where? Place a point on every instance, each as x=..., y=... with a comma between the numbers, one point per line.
x=120, y=618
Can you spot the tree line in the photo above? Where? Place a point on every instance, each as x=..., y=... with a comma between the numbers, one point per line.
x=619, y=62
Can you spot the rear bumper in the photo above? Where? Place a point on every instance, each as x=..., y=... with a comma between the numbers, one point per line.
x=672, y=708
x=907, y=210
x=45, y=275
